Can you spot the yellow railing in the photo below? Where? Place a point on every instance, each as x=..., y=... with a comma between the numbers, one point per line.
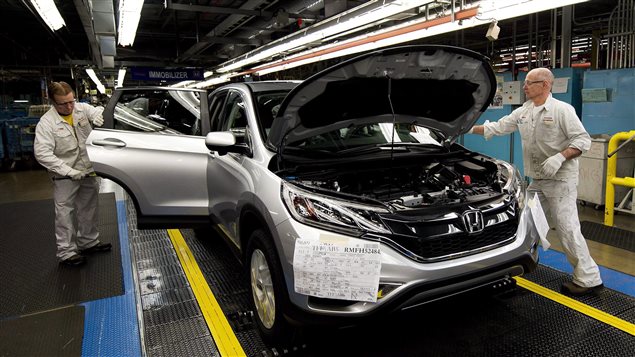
x=611, y=180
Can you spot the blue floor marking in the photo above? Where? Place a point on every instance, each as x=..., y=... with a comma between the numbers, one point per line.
x=612, y=279
x=111, y=327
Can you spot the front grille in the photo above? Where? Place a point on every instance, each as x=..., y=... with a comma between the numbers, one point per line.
x=435, y=241
x=462, y=242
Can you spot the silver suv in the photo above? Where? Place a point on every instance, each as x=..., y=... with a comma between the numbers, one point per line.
x=346, y=194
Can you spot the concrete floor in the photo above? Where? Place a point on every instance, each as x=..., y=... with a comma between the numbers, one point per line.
x=27, y=185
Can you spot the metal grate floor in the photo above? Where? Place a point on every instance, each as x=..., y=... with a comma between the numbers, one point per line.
x=517, y=323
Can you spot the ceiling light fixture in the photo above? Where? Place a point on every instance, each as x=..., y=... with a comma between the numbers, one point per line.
x=394, y=35
x=214, y=81
x=49, y=13
x=120, y=77
x=93, y=76
x=129, y=15
x=414, y=30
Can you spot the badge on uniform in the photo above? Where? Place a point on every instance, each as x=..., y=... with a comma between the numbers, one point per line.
x=547, y=120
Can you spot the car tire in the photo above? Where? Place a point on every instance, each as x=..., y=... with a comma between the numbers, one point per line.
x=268, y=290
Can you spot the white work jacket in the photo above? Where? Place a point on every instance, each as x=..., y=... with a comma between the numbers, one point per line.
x=60, y=147
x=553, y=129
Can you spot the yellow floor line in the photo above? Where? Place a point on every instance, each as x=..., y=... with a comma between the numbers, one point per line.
x=222, y=332
x=578, y=306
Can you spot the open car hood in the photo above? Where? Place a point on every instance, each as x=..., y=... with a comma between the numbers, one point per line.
x=441, y=87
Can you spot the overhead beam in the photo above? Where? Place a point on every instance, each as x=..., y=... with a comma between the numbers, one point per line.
x=230, y=11
x=217, y=10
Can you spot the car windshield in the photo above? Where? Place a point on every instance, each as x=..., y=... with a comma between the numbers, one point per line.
x=375, y=135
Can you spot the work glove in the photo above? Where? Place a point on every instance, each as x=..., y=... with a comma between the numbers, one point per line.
x=552, y=165
x=76, y=175
x=98, y=120
x=471, y=131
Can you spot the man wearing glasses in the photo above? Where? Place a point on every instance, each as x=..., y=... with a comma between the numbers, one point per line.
x=60, y=146
x=552, y=138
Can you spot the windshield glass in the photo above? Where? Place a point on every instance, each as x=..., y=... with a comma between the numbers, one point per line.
x=373, y=134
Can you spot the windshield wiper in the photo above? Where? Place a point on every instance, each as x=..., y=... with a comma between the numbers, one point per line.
x=397, y=147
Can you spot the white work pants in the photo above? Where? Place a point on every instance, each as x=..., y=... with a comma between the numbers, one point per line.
x=76, y=216
x=558, y=200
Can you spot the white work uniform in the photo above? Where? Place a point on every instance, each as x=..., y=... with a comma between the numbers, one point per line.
x=546, y=131
x=60, y=147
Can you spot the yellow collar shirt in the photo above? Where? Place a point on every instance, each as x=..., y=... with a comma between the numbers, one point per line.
x=545, y=131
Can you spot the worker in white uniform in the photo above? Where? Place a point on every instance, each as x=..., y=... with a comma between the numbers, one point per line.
x=552, y=138
x=60, y=146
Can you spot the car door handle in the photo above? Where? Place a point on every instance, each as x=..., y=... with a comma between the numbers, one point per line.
x=109, y=142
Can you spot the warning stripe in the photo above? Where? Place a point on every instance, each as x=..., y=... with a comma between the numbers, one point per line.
x=222, y=332
x=578, y=306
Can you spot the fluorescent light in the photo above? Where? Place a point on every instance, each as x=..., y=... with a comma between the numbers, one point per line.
x=507, y=9
x=20, y=101
x=120, y=77
x=404, y=32
x=93, y=76
x=129, y=15
x=413, y=30
x=183, y=84
x=213, y=81
x=49, y=13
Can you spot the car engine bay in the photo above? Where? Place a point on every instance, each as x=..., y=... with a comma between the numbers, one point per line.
x=455, y=180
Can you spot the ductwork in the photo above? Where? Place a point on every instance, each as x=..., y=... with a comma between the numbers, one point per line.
x=325, y=28
x=98, y=18
x=233, y=22
x=105, y=30
x=224, y=28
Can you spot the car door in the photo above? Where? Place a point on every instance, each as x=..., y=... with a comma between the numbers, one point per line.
x=229, y=182
x=152, y=144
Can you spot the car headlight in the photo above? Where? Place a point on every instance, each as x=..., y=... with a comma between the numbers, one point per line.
x=332, y=214
x=512, y=182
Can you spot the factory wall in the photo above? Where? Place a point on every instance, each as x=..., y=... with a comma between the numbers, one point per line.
x=618, y=113
x=615, y=115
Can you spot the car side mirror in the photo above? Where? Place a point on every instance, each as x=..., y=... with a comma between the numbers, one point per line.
x=224, y=142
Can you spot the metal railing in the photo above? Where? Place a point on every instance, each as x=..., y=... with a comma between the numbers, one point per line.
x=611, y=169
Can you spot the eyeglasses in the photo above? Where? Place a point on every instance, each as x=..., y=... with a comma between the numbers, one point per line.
x=528, y=83
x=71, y=102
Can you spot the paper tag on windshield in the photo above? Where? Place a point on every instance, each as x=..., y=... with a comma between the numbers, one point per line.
x=540, y=220
x=337, y=268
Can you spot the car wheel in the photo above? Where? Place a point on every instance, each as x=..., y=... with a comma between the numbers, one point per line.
x=268, y=290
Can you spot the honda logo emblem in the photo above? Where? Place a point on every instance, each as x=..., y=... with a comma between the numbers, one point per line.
x=473, y=221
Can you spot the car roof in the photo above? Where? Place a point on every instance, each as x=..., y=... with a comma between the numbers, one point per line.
x=266, y=86
x=165, y=88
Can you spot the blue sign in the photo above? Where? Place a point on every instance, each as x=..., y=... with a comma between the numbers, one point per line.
x=165, y=74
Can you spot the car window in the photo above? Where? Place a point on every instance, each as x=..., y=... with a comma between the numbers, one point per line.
x=169, y=112
x=234, y=116
x=216, y=108
x=267, y=106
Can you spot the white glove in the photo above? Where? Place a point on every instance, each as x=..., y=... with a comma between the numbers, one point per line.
x=552, y=165
x=76, y=175
x=471, y=131
x=98, y=120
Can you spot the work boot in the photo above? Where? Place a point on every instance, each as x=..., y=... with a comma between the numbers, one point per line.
x=573, y=289
x=99, y=247
x=74, y=260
